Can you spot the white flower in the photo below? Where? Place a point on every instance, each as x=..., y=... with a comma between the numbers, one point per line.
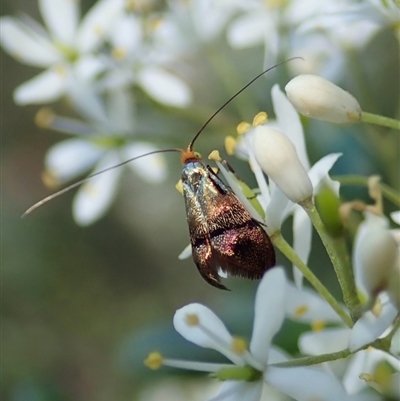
x=316, y=97
x=101, y=144
x=307, y=306
x=67, y=50
x=201, y=326
x=141, y=60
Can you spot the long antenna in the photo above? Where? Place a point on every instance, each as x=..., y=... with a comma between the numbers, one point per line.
x=190, y=147
x=76, y=184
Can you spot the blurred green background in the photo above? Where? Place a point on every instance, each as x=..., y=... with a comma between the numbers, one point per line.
x=82, y=307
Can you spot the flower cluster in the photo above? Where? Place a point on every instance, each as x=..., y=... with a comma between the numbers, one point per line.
x=126, y=63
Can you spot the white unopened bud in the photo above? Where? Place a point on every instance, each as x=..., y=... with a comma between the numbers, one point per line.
x=375, y=255
x=277, y=157
x=316, y=97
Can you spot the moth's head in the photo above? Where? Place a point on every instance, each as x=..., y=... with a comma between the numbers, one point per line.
x=189, y=155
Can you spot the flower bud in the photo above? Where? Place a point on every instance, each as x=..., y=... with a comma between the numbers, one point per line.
x=375, y=255
x=277, y=157
x=316, y=97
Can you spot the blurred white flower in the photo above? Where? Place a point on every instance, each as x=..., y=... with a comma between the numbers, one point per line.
x=139, y=59
x=67, y=50
x=102, y=143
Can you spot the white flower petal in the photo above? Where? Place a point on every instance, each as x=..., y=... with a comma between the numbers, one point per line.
x=269, y=312
x=248, y=31
x=278, y=158
x=88, y=67
x=325, y=341
x=235, y=391
x=210, y=332
x=186, y=253
x=276, y=209
x=375, y=254
x=69, y=158
x=289, y=123
x=127, y=35
x=25, y=45
x=302, y=232
x=151, y=168
x=164, y=87
x=369, y=327
x=61, y=17
x=97, y=24
x=88, y=103
x=45, y=87
x=307, y=306
x=305, y=384
x=121, y=109
x=395, y=216
x=276, y=355
x=96, y=196
x=319, y=173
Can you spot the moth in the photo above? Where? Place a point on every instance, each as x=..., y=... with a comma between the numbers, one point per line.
x=223, y=235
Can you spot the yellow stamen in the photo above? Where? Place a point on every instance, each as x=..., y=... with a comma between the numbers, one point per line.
x=260, y=118
x=377, y=308
x=367, y=377
x=154, y=360
x=98, y=30
x=179, y=187
x=301, y=310
x=214, y=155
x=239, y=345
x=192, y=319
x=44, y=117
x=118, y=53
x=215, y=170
x=318, y=325
x=60, y=70
x=243, y=127
x=50, y=180
x=230, y=145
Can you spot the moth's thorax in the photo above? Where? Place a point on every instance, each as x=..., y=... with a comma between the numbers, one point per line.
x=193, y=174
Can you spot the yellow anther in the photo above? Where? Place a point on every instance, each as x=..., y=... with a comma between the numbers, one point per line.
x=118, y=53
x=50, y=180
x=301, y=310
x=318, y=325
x=154, y=360
x=230, y=145
x=60, y=70
x=367, y=377
x=377, y=308
x=243, y=127
x=179, y=187
x=215, y=170
x=192, y=319
x=44, y=117
x=239, y=346
x=98, y=30
x=214, y=155
x=260, y=118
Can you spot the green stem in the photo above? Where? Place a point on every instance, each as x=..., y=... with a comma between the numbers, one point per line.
x=289, y=252
x=314, y=360
x=388, y=192
x=380, y=120
x=340, y=267
x=348, y=275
